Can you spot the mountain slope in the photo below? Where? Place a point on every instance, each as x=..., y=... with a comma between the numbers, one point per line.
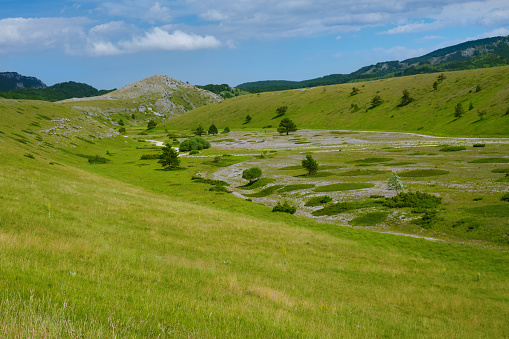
x=431, y=112
x=12, y=80
x=490, y=52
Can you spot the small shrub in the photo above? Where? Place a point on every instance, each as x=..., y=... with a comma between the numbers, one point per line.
x=265, y=192
x=29, y=155
x=290, y=188
x=194, y=151
x=285, y=207
x=219, y=188
x=150, y=156
x=413, y=199
x=500, y=170
x=477, y=198
x=151, y=124
x=341, y=207
x=317, y=201
x=343, y=186
x=369, y=219
x=479, y=145
x=490, y=161
x=426, y=220
x=505, y=197
x=376, y=196
x=98, y=160
x=452, y=148
x=197, y=178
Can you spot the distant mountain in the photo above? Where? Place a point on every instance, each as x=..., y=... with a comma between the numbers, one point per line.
x=61, y=91
x=490, y=52
x=12, y=80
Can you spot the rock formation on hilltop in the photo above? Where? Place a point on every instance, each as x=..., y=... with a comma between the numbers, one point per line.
x=159, y=95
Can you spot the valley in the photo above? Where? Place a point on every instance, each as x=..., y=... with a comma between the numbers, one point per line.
x=98, y=240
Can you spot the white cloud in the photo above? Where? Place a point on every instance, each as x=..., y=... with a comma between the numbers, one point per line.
x=21, y=34
x=72, y=36
x=213, y=15
x=494, y=33
x=399, y=52
x=159, y=39
x=158, y=13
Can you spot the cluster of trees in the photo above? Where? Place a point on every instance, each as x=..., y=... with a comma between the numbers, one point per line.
x=61, y=91
x=199, y=131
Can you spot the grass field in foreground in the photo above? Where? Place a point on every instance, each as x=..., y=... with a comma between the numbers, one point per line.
x=127, y=250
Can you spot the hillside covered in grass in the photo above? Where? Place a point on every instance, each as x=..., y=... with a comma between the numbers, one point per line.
x=482, y=93
x=124, y=249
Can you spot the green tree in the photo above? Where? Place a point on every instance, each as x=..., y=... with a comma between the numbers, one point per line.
x=478, y=88
x=286, y=126
x=481, y=114
x=133, y=116
x=441, y=77
x=169, y=158
x=281, y=110
x=248, y=119
x=376, y=101
x=121, y=122
x=310, y=165
x=151, y=124
x=471, y=106
x=213, y=129
x=354, y=91
x=459, y=111
x=196, y=143
x=226, y=130
x=406, y=98
x=121, y=130
x=394, y=183
x=435, y=85
x=252, y=174
x=199, y=131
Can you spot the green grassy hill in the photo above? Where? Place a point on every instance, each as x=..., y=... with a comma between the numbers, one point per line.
x=125, y=249
x=431, y=112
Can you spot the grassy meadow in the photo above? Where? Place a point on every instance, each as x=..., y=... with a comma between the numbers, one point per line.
x=124, y=249
x=431, y=111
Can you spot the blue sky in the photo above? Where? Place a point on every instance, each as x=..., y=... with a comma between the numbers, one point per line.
x=109, y=44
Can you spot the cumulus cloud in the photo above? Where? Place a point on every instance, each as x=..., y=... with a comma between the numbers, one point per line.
x=72, y=36
x=159, y=39
x=19, y=34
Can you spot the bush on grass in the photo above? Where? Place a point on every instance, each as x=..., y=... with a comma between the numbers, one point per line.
x=196, y=143
x=285, y=207
x=413, y=199
x=317, y=201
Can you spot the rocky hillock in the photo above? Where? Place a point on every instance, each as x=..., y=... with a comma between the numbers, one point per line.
x=156, y=97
